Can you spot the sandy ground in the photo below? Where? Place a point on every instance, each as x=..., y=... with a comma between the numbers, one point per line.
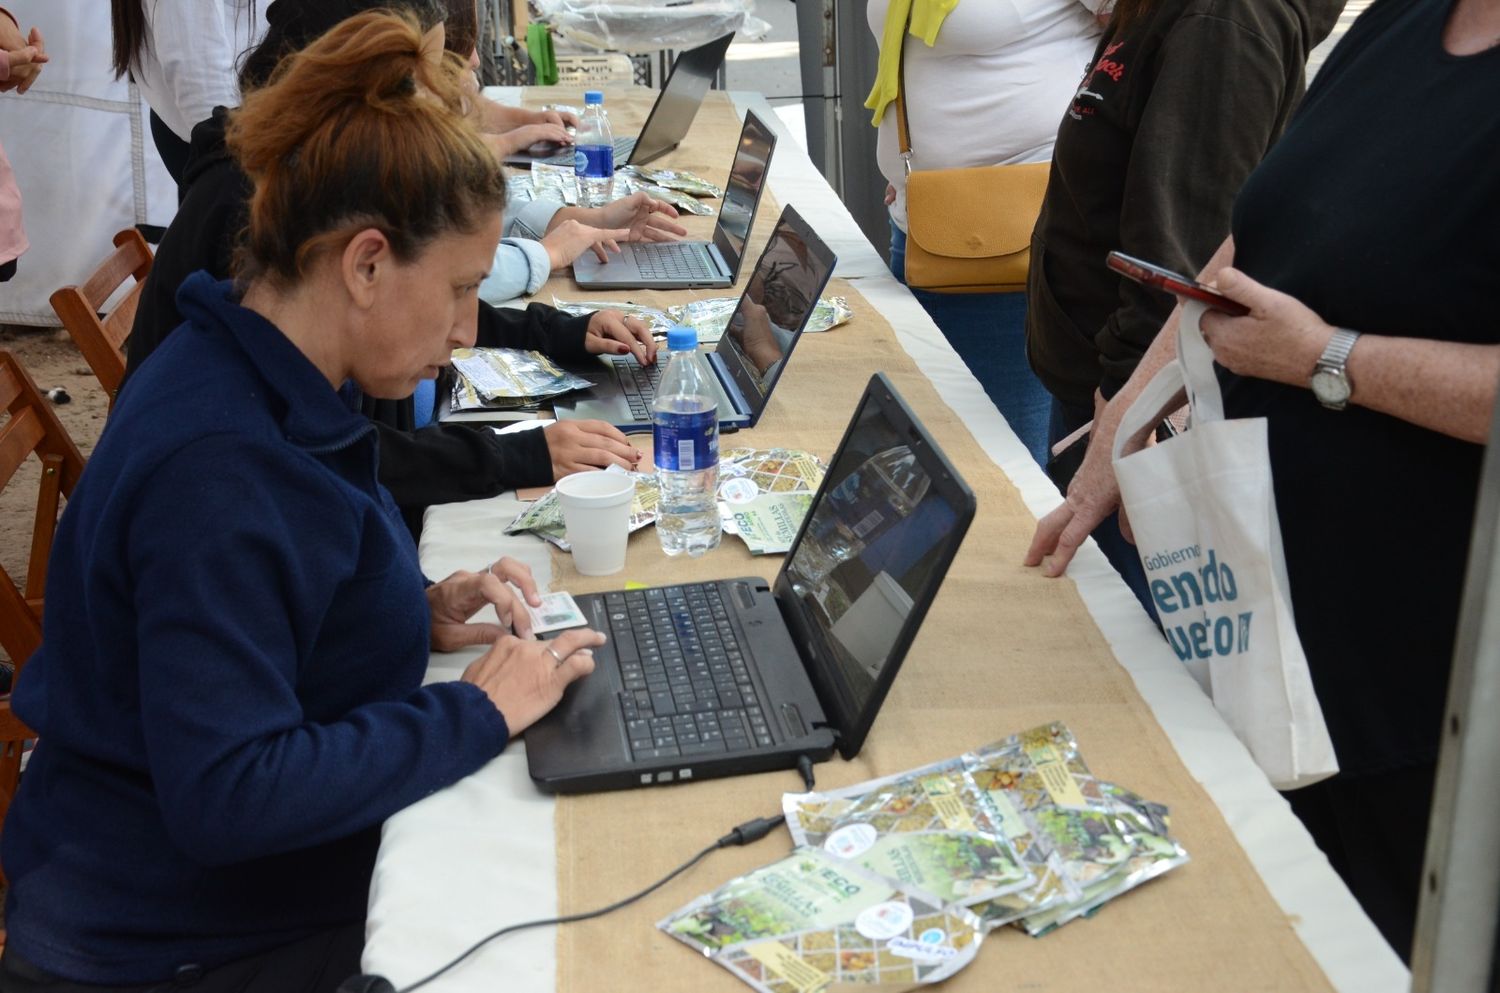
x=51, y=359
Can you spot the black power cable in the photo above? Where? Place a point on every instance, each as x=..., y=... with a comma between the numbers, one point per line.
x=742, y=834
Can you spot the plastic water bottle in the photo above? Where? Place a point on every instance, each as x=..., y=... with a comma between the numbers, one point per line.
x=594, y=155
x=685, y=430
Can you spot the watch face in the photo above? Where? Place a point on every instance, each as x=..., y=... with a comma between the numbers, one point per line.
x=1330, y=387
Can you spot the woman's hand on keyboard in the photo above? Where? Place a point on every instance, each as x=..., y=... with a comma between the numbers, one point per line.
x=459, y=597
x=571, y=238
x=612, y=333
x=525, y=679
x=647, y=218
x=577, y=446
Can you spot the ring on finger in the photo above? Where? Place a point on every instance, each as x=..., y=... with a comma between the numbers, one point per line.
x=553, y=652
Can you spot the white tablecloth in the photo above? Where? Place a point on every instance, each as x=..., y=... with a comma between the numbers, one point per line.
x=480, y=854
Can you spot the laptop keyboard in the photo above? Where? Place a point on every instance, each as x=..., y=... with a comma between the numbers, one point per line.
x=639, y=385
x=673, y=260
x=623, y=149
x=688, y=690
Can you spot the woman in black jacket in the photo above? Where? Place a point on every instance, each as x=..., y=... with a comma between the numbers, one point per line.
x=440, y=463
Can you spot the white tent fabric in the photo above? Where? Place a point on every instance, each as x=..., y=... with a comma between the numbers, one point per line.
x=80, y=144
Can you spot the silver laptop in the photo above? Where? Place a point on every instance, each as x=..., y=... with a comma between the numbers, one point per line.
x=667, y=265
x=671, y=116
x=740, y=676
x=749, y=359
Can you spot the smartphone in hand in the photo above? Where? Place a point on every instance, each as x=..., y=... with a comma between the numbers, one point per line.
x=1175, y=283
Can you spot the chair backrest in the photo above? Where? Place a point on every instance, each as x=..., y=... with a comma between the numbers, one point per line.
x=30, y=426
x=102, y=342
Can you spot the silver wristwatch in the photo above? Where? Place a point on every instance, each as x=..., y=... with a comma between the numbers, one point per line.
x=1330, y=379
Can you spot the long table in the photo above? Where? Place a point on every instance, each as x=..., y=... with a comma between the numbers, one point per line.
x=482, y=854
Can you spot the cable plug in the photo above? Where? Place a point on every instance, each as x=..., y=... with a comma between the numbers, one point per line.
x=750, y=831
x=805, y=768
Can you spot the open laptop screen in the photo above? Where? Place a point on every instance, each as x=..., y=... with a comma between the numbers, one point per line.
x=887, y=521
x=775, y=307
x=681, y=96
x=747, y=178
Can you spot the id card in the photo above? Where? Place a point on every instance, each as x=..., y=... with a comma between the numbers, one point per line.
x=558, y=611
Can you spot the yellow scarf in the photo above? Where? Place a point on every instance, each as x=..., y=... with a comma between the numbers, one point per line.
x=926, y=18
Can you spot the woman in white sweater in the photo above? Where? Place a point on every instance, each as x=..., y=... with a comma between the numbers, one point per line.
x=989, y=89
x=182, y=54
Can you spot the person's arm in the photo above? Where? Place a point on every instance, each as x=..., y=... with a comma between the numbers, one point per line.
x=1094, y=494
x=230, y=585
x=539, y=328
x=497, y=118
x=448, y=463
x=1445, y=386
x=1214, y=105
x=520, y=268
x=195, y=48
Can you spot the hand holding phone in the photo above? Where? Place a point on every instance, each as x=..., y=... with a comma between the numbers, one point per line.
x=1175, y=283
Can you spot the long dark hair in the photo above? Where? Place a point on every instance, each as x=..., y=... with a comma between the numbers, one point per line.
x=1126, y=11
x=127, y=20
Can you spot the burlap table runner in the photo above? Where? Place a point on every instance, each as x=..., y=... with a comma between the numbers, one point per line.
x=1003, y=649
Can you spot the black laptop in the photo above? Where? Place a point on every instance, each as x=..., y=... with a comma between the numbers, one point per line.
x=673, y=113
x=734, y=676
x=749, y=359
x=667, y=265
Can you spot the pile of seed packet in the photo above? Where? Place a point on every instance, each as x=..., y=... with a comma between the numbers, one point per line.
x=507, y=378
x=544, y=516
x=764, y=494
x=1018, y=832
x=708, y=317
x=560, y=182
x=814, y=922
x=1080, y=841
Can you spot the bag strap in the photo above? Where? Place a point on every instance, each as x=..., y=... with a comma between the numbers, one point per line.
x=1160, y=397
x=902, y=130
x=1191, y=372
x=1197, y=361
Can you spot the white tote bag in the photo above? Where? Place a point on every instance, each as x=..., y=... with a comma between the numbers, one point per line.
x=1204, y=517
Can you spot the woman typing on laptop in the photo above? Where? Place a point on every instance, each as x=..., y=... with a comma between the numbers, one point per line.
x=228, y=695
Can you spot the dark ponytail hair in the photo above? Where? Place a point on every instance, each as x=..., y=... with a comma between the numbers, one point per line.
x=364, y=128
x=127, y=20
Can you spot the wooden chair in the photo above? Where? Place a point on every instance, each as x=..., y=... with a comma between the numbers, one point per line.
x=102, y=342
x=32, y=426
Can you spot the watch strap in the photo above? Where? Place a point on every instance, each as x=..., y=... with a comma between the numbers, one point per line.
x=1336, y=356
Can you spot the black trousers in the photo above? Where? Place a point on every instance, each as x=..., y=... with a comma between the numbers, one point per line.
x=173, y=150
x=8, y=271
x=1374, y=831
x=313, y=965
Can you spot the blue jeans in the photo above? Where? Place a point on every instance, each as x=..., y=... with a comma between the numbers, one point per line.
x=988, y=331
x=1123, y=555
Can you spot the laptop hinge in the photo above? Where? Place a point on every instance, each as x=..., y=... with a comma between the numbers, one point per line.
x=719, y=263
x=731, y=389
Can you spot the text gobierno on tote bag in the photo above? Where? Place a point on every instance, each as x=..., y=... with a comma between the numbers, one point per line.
x=1204, y=516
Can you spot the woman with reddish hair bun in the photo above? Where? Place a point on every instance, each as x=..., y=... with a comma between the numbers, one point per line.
x=228, y=695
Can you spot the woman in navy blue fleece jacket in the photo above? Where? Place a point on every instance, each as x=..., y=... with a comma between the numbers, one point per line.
x=228, y=692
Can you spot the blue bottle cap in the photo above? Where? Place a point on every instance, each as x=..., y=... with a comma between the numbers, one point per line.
x=591, y=97
x=682, y=339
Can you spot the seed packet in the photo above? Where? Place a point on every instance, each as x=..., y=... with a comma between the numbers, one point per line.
x=764, y=495
x=554, y=182
x=1100, y=839
x=491, y=378
x=812, y=922
x=544, y=517
x=656, y=320
x=709, y=317
x=626, y=185
x=676, y=179
x=929, y=827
